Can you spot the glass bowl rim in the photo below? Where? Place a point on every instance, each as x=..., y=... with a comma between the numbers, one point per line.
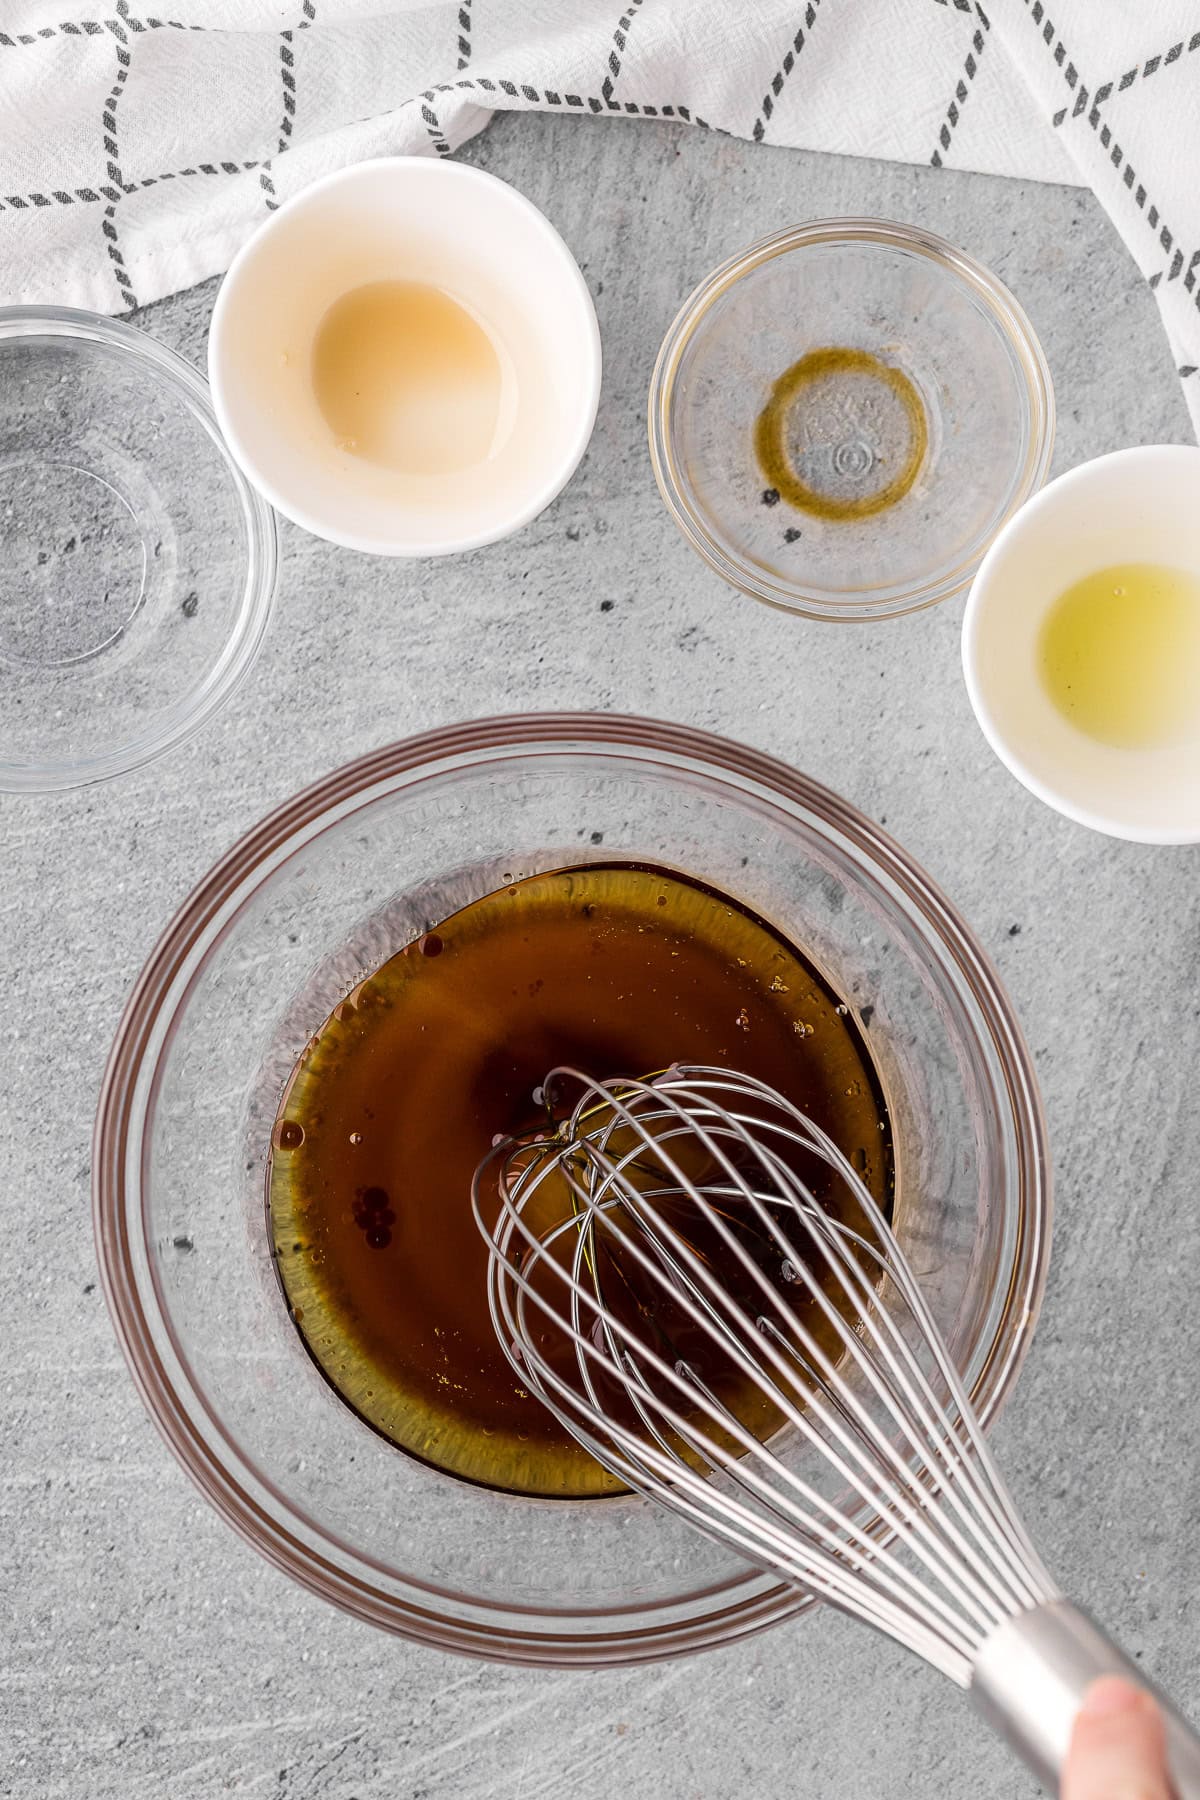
x=182, y=721
x=814, y=602
x=497, y=1632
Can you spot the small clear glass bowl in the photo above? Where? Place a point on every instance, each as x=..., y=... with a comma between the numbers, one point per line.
x=898, y=468
x=138, y=564
x=314, y=900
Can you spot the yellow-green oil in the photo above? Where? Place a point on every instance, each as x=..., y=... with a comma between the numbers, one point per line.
x=1119, y=655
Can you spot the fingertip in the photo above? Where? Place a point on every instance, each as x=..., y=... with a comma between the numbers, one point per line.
x=1111, y=1695
x=1117, y=1746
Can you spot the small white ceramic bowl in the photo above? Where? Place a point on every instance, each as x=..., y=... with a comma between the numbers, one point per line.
x=406, y=219
x=1140, y=505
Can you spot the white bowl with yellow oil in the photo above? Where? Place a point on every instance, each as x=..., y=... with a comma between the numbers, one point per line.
x=1081, y=644
x=405, y=358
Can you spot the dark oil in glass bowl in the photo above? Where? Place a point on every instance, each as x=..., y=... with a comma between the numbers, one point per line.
x=614, y=969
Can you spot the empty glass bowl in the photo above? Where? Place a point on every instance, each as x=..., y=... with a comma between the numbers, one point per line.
x=138, y=565
x=843, y=416
x=316, y=898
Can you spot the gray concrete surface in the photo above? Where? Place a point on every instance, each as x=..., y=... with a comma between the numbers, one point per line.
x=144, y=1650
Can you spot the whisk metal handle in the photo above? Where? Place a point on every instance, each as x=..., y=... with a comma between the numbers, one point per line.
x=1030, y=1678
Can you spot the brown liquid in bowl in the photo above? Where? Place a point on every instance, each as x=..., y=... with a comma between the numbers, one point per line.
x=615, y=969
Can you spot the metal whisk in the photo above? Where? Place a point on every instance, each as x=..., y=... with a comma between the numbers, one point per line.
x=665, y=1279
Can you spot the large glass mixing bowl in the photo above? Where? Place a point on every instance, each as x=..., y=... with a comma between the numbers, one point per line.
x=312, y=901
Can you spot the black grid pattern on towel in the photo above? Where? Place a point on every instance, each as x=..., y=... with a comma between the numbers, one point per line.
x=1084, y=102
x=962, y=87
x=790, y=57
x=287, y=82
x=124, y=28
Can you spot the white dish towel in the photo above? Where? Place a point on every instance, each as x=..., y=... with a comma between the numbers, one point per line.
x=139, y=148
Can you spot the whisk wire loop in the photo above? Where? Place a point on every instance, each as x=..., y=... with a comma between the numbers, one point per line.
x=631, y=1457
x=679, y=1208
x=907, y=1395
x=868, y=1478
x=944, y=1432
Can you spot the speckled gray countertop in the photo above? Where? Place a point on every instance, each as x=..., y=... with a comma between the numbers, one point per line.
x=145, y=1650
